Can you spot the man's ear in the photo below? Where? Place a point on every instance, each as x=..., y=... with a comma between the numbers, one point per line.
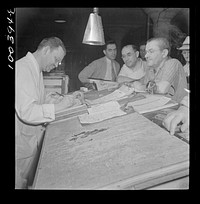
x=137, y=53
x=46, y=50
x=165, y=53
x=104, y=52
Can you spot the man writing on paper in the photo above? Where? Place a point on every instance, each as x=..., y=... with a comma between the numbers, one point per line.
x=134, y=68
x=166, y=73
x=32, y=105
x=106, y=68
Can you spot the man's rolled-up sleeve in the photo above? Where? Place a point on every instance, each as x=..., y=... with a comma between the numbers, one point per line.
x=37, y=113
x=171, y=70
x=48, y=111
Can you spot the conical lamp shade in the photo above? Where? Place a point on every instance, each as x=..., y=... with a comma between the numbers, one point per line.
x=186, y=44
x=94, y=31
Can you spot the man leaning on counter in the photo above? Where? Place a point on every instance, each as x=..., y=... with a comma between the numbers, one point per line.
x=164, y=73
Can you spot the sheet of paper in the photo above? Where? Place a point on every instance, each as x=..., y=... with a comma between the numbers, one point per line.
x=120, y=93
x=151, y=103
x=102, y=112
x=101, y=84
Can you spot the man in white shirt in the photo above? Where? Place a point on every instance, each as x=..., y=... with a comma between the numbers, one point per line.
x=165, y=75
x=134, y=68
x=32, y=106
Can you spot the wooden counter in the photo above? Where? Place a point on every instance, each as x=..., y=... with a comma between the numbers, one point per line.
x=130, y=153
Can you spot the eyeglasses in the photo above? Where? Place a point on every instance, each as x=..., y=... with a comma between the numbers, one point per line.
x=151, y=51
x=57, y=61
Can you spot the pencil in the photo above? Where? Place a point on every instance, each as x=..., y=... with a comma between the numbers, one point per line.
x=59, y=94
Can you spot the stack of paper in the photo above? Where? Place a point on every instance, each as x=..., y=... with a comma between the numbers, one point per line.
x=102, y=112
x=151, y=103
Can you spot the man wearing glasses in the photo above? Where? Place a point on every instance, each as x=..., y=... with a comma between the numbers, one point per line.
x=33, y=107
x=166, y=73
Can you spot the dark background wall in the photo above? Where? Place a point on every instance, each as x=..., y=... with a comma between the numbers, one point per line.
x=124, y=25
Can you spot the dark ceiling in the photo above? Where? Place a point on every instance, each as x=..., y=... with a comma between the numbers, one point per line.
x=124, y=25
x=33, y=24
x=36, y=23
x=77, y=17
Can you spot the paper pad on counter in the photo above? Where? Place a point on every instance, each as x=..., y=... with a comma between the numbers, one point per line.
x=102, y=112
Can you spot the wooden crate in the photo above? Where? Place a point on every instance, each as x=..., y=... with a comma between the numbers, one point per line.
x=56, y=84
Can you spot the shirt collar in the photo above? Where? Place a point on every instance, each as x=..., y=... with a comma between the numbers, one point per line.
x=108, y=60
x=31, y=56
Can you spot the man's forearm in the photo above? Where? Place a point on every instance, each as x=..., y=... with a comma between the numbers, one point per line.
x=162, y=87
x=121, y=79
x=84, y=78
x=58, y=107
x=85, y=74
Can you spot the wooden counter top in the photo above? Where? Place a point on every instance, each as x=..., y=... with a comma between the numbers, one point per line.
x=131, y=153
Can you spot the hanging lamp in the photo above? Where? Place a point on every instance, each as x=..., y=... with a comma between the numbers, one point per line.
x=94, y=34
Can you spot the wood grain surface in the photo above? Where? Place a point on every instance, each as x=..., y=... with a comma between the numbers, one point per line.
x=129, y=147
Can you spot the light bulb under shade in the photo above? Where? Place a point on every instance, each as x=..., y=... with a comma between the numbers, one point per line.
x=94, y=34
x=60, y=21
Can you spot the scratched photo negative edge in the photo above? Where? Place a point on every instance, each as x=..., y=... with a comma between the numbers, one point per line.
x=8, y=33
x=193, y=97
x=193, y=107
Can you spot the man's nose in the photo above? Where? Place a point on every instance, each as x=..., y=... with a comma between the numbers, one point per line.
x=125, y=58
x=56, y=64
x=113, y=52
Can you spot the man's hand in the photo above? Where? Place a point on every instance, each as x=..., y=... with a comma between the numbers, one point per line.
x=90, y=86
x=138, y=86
x=174, y=118
x=53, y=97
x=162, y=87
x=66, y=102
x=78, y=95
